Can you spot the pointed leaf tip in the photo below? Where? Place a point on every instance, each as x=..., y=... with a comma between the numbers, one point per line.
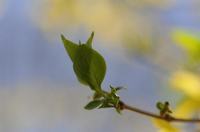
x=70, y=47
x=62, y=37
x=89, y=41
x=92, y=34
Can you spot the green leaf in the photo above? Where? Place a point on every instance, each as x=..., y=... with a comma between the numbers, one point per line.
x=70, y=47
x=93, y=104
x=89, y=66
x=160, y=105
x=89, y=41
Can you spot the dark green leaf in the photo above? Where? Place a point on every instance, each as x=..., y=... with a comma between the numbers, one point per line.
x=93, y=104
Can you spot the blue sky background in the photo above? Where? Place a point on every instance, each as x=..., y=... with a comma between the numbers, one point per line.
x=39, y=91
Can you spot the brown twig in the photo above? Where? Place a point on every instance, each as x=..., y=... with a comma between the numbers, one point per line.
x=165, y=118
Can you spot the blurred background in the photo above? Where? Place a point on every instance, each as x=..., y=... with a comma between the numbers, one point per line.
x=152, y=48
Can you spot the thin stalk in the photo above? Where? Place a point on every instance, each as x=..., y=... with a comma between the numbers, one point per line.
x=165, y=118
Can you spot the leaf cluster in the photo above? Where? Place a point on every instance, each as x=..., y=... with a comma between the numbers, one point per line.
x=164, y=109
x=90, y=69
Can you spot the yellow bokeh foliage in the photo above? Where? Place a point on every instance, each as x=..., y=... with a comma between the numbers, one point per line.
x=112, y=20
x=188, y=83
x=189, y=42
x=164, y=126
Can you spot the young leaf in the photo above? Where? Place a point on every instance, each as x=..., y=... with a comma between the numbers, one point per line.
x=164, y=108
x=89, y=41
x=93, y=104
x=70, y=47
x=160, y=105
x=89, y=66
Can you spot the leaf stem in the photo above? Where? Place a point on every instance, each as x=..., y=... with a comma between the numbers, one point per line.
x=165, y=118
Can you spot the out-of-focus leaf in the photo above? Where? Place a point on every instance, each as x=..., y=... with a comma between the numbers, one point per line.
x=189, y=42
x=165, y=126
x=89, y=66
x=186, y=108
x=187, y=82
x=111, y=19
x=93, y=104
